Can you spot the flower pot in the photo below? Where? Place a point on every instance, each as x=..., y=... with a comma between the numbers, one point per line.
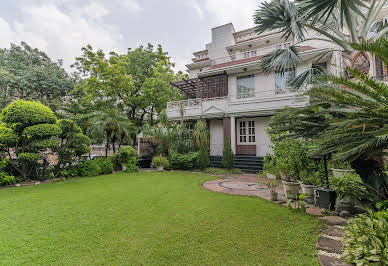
x=324, y=198
x=160, y=168
x=271, y=176
x=273, y=196
x=308, y=189
x=291, y=189
x=341, y=172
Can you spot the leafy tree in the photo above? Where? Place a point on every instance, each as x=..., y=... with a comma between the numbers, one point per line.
x=137, y=82
x=28, y=128
x=326, y=21
x=29, y=74
x=73, y=144
x=227, y=155
x=111, y=125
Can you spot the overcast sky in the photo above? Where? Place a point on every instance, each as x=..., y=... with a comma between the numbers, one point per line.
x=62, y=27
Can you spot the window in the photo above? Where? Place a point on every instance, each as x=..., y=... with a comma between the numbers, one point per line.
x=282, y=80
x=250, y=54
x=247, y=136
x=245, y=87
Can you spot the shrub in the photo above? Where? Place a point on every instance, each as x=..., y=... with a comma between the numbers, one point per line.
x=203, y=160
x=183, y=161
x=220, y=171
x=131, y=168
x=89, y=168
x=310, y=178
x=117, y=165
x=350, y=184
x=128, y=157
x=227, y=155
x=366, y=239
x=6, y=179
x=160, y=161
x=269, y=166
x=105, y=164
x=71, y=171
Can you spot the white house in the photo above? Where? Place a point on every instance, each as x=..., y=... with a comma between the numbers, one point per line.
x=227, y=89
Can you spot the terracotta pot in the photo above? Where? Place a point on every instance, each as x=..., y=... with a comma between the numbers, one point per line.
x=273, y=196
x=291, y=189
x=308, y=189
x=341, y=172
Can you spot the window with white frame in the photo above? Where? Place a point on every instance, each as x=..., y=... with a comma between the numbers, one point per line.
x=245, y=86
x=247, y=132
x=282, y=80
x=250, y=54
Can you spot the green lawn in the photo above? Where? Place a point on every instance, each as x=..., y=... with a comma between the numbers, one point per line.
x=148, y=218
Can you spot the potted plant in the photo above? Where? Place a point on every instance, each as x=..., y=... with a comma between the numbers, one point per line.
x=271, y=184
x=160, y=162
x=269, y=168
x=310, y=179
x=340, y=168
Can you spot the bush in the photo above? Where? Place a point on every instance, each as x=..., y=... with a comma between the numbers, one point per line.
x=71, y=171
x=350, y=184
x=183, y=161
x=6, y=180
x=128, y=158
x=220, y=171
x=160, y=161
x=89, y=168
x=117, y=165
x=106, y=165
x=227, y=155
x=203, y=160
x=366, y=239
x=269, y=166
x=131, y=168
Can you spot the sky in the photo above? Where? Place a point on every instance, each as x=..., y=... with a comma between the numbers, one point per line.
x=61, y=27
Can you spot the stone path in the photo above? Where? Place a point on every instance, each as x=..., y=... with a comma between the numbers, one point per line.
x=329, y=244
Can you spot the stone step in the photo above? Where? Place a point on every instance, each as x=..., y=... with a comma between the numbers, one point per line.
x=329, y=245
x=334, y=230
x=326, y=260
x=335, y=220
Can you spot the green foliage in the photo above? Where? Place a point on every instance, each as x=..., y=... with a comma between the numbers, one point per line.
x=160, y=161
x=365, y=240
x=271, y=183
x=89, y=168
x=269, y=166
x=203, y=159
x=105, y=164
x=201, y=134
x=28, y=157
x=221, y=171
x=29, y=74
x=127, y=156
x=6, y=180
x=227, y=155
x=298, y=203
x=70, y=171
x=41, y=131
x=350, y=184
x=131, y=168
x=310, y=178
x=183, y=161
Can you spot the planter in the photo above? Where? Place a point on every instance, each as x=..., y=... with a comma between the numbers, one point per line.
x=273, y=196
x=324, y=198
x=341, y=172
x=308, y=189
x=291, y=189
x=271, y=176
x=160, y=168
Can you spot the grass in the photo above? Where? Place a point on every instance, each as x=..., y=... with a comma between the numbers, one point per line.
x=158, y=218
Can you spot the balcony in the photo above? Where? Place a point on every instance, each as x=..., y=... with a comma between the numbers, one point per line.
x=265, y=102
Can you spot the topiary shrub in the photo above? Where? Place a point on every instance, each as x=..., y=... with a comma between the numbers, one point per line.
x=5, y=179
x=183, y=161
x=89, y=168
x=128, y=157
x=227, y=155
x=366, y=239
x=203, y=159
x=105, y=164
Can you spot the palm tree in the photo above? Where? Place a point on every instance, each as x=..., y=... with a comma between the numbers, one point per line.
x=348, y=118
x=338, y=22
x=111, y=125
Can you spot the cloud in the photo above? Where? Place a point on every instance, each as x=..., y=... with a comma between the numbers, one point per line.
x=62, y=27
x=240, y=13
x=194, y=4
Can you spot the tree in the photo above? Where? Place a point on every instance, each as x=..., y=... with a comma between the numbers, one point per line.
x=137, y=82
x=304, y=20
x=73, y=144
x=28, y=128
x=348, y=117
x=29, y=74
x=227, y=155
x=111, y=125
x=201, y=136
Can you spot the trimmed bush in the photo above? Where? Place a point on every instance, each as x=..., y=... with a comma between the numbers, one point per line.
x=366, y=239
x=227, y=155
x=203, y=159
x=183, y=161
x=128, y=158
x=106, y=165
x=71, y=171
x=5, y=179
x=89, y=168
x=160, y=161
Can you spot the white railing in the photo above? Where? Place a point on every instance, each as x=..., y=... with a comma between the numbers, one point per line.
x=249, y=54
x=190, y=103
x=252, y=34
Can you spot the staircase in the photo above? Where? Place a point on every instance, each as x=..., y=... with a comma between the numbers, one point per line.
x=247, y=163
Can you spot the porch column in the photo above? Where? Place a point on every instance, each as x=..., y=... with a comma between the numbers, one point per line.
x=233, y=133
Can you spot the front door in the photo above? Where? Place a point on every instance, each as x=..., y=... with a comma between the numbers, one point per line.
x=216, y=137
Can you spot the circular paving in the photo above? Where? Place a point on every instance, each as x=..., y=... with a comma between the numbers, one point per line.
x=242, y=185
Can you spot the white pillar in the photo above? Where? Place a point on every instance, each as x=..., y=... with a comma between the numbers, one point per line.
x=233, y=133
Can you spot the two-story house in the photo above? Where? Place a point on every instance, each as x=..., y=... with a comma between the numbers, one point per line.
x=227, y=89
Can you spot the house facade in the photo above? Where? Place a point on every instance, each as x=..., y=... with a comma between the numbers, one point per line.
x=228, y=90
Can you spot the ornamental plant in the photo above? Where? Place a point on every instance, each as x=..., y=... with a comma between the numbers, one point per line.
x=28, y=129
x=350, y=184
x=227, y=155
x=160, y=161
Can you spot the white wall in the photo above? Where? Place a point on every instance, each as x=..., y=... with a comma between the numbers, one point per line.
x=222, y=37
